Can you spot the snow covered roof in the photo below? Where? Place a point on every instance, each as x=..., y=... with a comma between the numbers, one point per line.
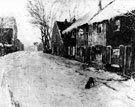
x=63, y=25
x=8, y=45
x=79, y=22
x=118, y=7
x=82, y=20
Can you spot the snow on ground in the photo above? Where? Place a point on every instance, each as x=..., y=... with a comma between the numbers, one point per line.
x=43, y=80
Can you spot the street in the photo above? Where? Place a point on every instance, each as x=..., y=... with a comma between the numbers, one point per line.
x=37, y=79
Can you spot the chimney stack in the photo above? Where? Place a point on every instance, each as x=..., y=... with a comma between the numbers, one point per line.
x=100, y=5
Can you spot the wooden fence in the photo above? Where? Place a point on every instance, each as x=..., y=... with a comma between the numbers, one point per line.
x=120, y=57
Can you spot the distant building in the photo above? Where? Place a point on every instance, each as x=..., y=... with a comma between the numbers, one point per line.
x=40, y=47
x=8, y=35
x=19, y=45
x=9, y=22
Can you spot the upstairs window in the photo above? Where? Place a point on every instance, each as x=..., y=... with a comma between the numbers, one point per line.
x=99, y=28
x=73, y=34
x=117, y=25
x=81, y=34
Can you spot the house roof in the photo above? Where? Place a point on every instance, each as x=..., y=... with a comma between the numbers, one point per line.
x=82, y=20
x=118, y=7
x=79, y=22
x=63, y=25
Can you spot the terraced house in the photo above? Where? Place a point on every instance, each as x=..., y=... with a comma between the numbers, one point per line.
x=95, y=33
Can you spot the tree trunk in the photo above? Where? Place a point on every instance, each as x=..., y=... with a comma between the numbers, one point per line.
x=45, y=37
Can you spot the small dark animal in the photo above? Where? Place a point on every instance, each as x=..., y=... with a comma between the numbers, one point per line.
x=90, y=83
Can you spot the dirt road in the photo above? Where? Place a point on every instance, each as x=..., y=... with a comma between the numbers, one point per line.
x=43, y=80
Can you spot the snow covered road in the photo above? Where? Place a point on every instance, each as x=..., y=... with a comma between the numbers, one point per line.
x=43, y=80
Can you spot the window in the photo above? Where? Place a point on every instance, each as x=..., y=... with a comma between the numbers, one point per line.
x=117, y=25
x=73, y=34
x=81, y=34
x=99, y=28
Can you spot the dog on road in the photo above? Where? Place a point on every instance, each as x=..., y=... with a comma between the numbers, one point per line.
x=90, y=83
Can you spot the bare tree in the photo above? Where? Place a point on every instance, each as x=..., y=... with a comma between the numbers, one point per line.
x=41, y=19
x=73, y=13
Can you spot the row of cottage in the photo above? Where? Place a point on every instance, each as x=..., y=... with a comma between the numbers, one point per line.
x=71, y=39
